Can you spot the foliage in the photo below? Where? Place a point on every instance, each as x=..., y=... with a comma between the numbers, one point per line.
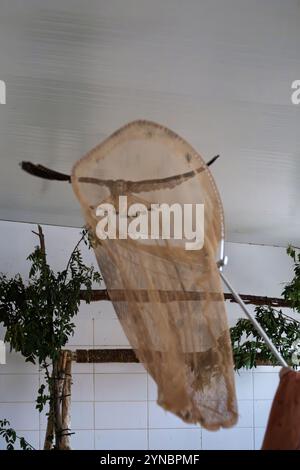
x=249, y=349
x=291, y=291
x=38, y=315
x=10, y=436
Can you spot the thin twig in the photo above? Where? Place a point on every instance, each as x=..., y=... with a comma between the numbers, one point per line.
x=74, y=249
x=42, y=239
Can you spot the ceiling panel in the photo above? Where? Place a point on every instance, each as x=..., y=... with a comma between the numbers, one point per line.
x=218, y=72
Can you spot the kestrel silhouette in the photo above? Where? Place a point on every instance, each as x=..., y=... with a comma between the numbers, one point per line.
x=118, y=186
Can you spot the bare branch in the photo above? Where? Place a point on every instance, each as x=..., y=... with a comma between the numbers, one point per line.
x=167, y=296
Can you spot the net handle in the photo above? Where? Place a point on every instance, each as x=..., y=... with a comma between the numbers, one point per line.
x=223, y=262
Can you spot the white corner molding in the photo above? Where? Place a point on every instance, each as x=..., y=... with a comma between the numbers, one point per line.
x=2, y=352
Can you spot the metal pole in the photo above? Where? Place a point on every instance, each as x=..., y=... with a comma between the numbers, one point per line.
x=254, y=322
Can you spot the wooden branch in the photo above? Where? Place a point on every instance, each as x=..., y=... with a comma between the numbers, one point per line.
x=128, y=355
x=100, y=356
x=104, y=355
x=260, y=300
x=168, y=296
x=42, y=239
x=144, y=295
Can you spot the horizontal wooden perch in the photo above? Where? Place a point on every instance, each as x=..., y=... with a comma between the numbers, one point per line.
x=128, y=355
x=104, y=355
x=168, y=296
x=117, y=355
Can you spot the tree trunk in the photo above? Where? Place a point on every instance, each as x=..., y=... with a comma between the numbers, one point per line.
x=48, y=443
x=59, y=419
x=59, y=373
x=56, y=403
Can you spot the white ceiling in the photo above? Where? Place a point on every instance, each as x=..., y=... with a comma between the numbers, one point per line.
x=218, y=72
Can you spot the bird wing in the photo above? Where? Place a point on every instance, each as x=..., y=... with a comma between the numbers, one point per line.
x=43, y=172
x=99, y=182
x=144, y=185
x=128, y=186
x=162, y=183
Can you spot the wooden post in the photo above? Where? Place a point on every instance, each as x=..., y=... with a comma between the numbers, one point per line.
x=58, y=386
x=48, y=443
x=59, y=418
x=66, y=404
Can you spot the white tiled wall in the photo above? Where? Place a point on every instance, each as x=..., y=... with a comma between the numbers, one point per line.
x=114, y=405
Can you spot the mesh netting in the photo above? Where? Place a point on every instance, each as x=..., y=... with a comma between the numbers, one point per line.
x=172, y=307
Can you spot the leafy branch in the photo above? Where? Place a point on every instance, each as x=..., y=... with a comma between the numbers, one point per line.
x=38, y=317
x=249, y=350
x=10, y=436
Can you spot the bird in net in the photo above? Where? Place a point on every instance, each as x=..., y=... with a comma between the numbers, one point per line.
x=172, y=308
